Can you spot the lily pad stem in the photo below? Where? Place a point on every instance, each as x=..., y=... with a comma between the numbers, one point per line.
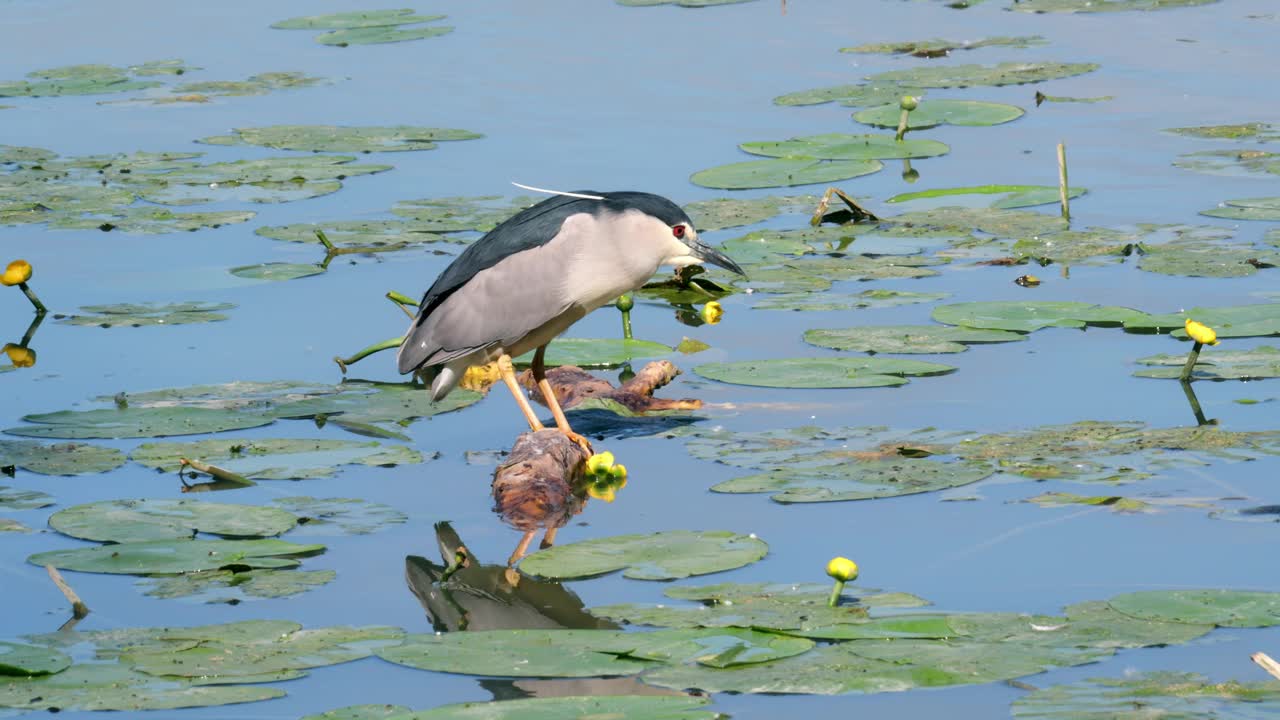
x=324, y=240
x=835, y=593
x=401, y=299
x=40, y=308
x=1192, y=357
x=902, y=125
x=1062, y=182
x=376, y=347
x=78, y=608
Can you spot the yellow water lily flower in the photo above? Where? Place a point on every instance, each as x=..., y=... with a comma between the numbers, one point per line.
x=842, y=569
x=600, y=464
x=606, y=493
x=712, y=312
x=1201, y=333
x=18, y=272
x=20, y=356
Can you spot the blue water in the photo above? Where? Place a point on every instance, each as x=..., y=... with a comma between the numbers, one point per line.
x=590, y=94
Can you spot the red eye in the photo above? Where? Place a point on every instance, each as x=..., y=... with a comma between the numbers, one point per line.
x=677, y=230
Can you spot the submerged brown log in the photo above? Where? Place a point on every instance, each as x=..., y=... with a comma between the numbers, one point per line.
x=573, y=385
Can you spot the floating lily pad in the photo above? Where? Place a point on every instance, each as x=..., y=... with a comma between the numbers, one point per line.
x=865, y=480
x=381, y=35
x=1214, y=364
x=907, y=338
x=1011, y=196
x=176, y=556
x=826, y=372
x=843, y=146
x=857, y=301
x=783, y=172
x=17, y=499
x=150, y=220
x=1231, y=162
x=681, y=3
x=300, y=650
x=76, y=80
x=661, y=556
x=459, y=214
x=12, y=526
x=1030, y=315
x=722, y=213
x=597, y=352
x=1193, y=256
x=59, y=458
x=1154, y=694
x=962, y=221
x=135, y=315
x=619, y=707
x=123, y=521
x=219, y=586
x=1093, y=6
x=275, y=458
x=30, y=660
x=340, y=516
x=366, y=27
x=1009, y=73
x=275, y=271
x=1229, y=321
x=1117, y=503
x=520, y=653
x=131, y=422
x=1243, y=131
x=372, y=234
x=1265, y=208
x=356, y=405
x=1224, y=608
x=861, y=95
x=332, y=138
x=942, y=48
x=720, y=648
x=113, y=687
x=932, y=113
x=205, y=91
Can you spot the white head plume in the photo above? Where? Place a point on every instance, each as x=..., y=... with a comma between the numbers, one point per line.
x=558, y=192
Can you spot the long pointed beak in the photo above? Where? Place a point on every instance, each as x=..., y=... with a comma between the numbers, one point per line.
x=706, y=253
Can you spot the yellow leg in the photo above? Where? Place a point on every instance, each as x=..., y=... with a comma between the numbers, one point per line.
x=521, y=549
x=549, y=397
x=508, y=373
x=549, y=538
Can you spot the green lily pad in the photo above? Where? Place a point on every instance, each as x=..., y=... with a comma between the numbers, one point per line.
x=680, y=3
x=828, y=372
x=962, y=221
x=1028, y=316
x=1223, y=608
x=907, y=338
x=1229, y=321
x=720, y=648
x=459, y=214
x=275, y=271
x=18, y=499
x=865, y=480
x=1154, y=694
x=783, y=172
x=366, y=27
x=1097, y=624
x=113, y=687
x=1265, y=208
x=1244, y=131
x=340, y=516
x=1231, y=162
x=866, y=299
x=1211, y=256
x=30, y=660
x=597, y=352
x=520, y=653
x=205, y=91
x=619, y=707
x=162, y=557
x=721, y=213
x=59, y=458
x=264, y=180
x=381, y=35
x=1117, y=503
x=124, y=521
x=942, y=48
x=1213, y=364
x=300, y=650
x=843, y=146
x=8, y=525
x=150, y=220
x=332, y=138
x=135, y=315
x=1093, y=6
x=1011, y=196
x=133, y=422
x=76, y=80
x=861, y=95
x=359, y=403
x=1008, y=73
x=373, y=234
x=932, y=113
x=220, y=586
x=276, y=458
x=661, y=556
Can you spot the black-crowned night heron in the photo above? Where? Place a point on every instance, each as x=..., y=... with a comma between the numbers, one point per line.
x=530, y=278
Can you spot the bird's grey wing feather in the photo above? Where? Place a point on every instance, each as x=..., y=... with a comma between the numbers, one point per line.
x=498, y=306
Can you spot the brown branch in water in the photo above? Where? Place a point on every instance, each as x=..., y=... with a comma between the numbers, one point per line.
x=1264, y=660
x=78, y=608
x=573, y=385
x=535, y=487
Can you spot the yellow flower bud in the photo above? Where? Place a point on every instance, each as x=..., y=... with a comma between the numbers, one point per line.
x=1201, y=333
x=619, y=473
x=712, y=312
x=20, y=356
x=606, y=493
x=600, y=463
x=842, y=569
x=908, y=103
x=18, y=272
